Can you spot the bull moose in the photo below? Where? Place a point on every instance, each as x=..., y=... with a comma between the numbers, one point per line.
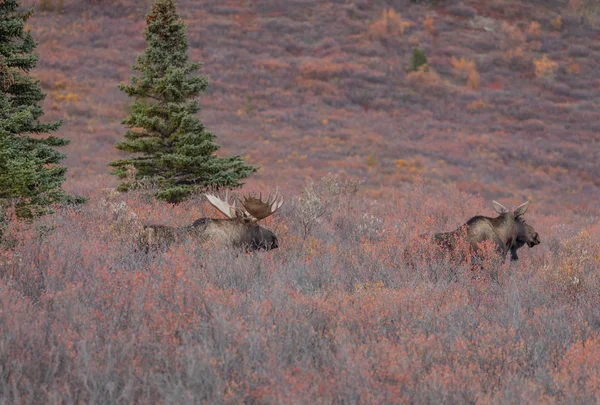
x=508, y=232
x=240, y=229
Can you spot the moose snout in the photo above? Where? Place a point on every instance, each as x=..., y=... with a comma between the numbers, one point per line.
x=535, y=241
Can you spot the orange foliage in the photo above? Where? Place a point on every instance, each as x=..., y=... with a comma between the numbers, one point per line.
x=556, y=23
x=544, y=67
x=428, y=24
x=514, y=35
x=426, y=77
x=478, y=105
x=473, y=79
x=534, y=29
x=467, y=70
x=389, y=25
x=66, y=96
x=319, y=87
x=410, y=166
x=515, y=54
x=573, y=68
x=272, y=64
x=324, y=69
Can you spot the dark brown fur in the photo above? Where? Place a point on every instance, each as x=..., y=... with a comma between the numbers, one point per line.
x=507, y=232
x=236, y=232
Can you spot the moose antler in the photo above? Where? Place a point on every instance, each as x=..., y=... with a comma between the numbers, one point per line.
x=253, y=207
x=260, y=209
x=229, y=210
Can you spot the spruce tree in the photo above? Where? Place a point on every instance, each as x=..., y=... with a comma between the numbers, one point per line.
x=30, y=172
x=419, y=58
x=172, y=146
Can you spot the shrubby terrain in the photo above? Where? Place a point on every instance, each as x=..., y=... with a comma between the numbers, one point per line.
x=506, y=109
x=333, y=316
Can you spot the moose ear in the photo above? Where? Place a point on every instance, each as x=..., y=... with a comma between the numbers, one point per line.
x=500, y=209
x=521, y=209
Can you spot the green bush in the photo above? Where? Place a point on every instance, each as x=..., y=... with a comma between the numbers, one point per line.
x=419, y=58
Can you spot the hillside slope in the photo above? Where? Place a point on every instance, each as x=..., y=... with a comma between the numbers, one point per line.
x=304, y=87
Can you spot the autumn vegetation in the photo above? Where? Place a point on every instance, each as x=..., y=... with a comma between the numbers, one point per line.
x=378, y=122
x=334, y=315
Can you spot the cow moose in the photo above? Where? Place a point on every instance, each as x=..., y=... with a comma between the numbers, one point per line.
x=239, y=230
x=508, y=232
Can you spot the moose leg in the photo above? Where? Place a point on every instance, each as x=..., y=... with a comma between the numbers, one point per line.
x=513, y=254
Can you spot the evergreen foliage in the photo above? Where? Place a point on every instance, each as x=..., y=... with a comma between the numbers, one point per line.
x=419, y=58
x=172, y=146
x=30, y=173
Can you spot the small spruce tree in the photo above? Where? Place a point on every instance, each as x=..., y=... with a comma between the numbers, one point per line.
x=419, y=58
x=172, y=146
x=30, y=172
